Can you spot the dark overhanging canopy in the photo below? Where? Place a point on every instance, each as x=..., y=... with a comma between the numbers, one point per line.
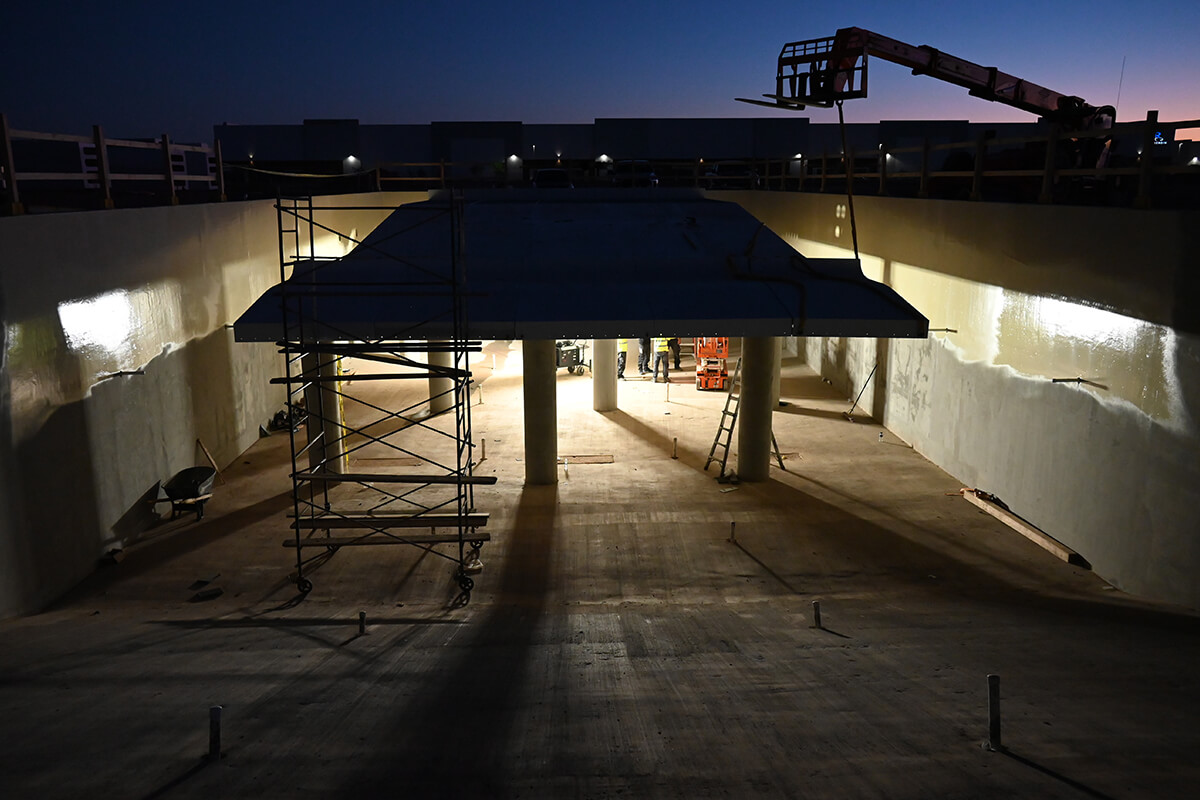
x=546, y=264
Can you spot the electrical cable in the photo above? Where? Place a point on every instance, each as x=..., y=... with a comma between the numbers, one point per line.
x=846, y=159
x=277, y=173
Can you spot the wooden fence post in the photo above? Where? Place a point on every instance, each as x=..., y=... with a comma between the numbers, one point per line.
x=883, y=159
x=980, y=158
x=169, y=171
x=1146, y=162
x=1047, y=193
x=12, y=203
x=220, y=171
x=923, y=190
x=102, y=170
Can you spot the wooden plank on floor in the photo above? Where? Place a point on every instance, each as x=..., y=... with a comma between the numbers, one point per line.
x=1033, y=534
x=380, y=521
x=379, y=539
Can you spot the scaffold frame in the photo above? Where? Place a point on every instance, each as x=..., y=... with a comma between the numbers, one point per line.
x=382, y=503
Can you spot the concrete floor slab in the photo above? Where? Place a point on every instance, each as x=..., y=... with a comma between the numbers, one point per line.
x=617, y=644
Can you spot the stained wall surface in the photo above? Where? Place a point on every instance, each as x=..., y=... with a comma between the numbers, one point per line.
x=1110, y=466
x=119, y=362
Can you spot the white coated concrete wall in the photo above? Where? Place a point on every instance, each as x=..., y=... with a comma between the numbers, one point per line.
x=1112, y=470
x=87, y=295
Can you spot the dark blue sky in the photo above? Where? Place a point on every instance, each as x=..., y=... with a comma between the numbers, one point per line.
x=142, y=68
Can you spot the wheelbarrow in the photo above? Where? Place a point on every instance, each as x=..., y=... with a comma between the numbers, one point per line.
x=189, y=490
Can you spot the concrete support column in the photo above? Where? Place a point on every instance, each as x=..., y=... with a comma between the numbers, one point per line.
x=541, y=412
x=776, y=372
x=323, y=421
x=314, y=430
x=441, y=398
x=331, y=410
x=754, y=410
x=604, y=375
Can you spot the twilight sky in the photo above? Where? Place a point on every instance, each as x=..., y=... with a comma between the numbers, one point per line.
x=142, y=68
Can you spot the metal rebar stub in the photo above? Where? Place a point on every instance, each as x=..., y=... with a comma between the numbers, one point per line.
x=362, y=622
x=816, y=606
x=993, y=741
x=214, y=733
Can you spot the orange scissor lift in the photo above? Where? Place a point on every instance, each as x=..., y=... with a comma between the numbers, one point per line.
x=711, y=352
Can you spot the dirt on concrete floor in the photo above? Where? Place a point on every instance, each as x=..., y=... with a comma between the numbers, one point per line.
x=619, y=642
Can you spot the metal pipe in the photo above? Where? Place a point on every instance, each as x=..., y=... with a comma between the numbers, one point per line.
x=993, y=742
x=214, y=733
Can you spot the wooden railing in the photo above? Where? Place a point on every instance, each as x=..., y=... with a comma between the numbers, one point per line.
x=1057, y=164
x=160, y=180
x=1056, y=167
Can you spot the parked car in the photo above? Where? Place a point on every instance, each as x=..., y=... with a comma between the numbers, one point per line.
x=633, y=173
x=731, y=175
x=553, y=178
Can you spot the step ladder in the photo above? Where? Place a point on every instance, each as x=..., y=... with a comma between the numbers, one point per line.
x=729, y=414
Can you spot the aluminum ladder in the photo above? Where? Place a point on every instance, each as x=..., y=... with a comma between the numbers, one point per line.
x=724, y=435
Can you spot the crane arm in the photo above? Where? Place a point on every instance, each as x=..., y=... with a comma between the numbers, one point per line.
x=821, y=72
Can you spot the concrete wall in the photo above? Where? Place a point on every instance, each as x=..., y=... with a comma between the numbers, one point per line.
x=1036, y=293
x=84, y=296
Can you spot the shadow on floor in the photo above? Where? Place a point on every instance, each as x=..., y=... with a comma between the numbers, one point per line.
x=178, y=538
x=476, y=699
x=1058, y=776
x=871, y=545
x=656, y=439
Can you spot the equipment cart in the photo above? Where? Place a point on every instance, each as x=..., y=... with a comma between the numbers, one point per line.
x=572, y=354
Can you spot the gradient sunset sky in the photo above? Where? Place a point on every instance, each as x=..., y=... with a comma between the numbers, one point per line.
x=142, y=68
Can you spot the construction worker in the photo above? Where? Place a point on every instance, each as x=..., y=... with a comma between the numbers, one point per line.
x=673, y=343
x=622, y=351
x=662, y=353
x=644, y=355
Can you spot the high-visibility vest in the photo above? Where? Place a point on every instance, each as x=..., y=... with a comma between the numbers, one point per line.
x=660, y=345
x=622, y=345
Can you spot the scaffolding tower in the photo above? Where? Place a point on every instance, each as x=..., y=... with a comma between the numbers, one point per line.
x=369, y=471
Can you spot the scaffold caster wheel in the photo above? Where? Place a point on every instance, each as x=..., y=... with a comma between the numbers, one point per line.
x=304, y=585
x=465, y=583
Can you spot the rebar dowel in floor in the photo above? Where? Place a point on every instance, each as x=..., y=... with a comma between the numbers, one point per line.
x=214, y=733
x=993, y=742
